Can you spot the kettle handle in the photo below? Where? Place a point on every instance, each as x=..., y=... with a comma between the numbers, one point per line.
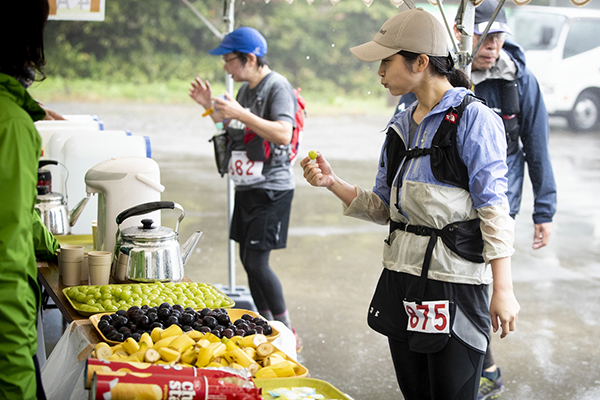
x=43, y=163
x=145, y=208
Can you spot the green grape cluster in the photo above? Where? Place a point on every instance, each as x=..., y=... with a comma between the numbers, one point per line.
x=110, y=298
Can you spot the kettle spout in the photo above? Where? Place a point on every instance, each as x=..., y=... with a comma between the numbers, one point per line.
x=76, y=212
x=189, y=246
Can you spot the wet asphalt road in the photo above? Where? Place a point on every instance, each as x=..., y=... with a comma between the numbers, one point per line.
x=331, y=265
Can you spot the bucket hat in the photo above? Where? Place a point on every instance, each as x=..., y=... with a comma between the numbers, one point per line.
x=245, y=40
x=413, y=30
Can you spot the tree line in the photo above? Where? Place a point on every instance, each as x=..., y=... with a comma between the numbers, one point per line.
x=143, y=41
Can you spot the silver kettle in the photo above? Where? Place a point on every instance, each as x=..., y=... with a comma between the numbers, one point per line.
x=150, y=253
x=53, y=207
x=55, y=214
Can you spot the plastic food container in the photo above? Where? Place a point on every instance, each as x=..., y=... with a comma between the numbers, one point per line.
x=234, y=314
x=321, y=387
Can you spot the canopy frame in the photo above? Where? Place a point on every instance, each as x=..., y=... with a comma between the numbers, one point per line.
x=465, y=24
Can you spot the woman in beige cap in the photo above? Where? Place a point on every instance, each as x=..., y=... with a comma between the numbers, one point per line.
x=441, y=186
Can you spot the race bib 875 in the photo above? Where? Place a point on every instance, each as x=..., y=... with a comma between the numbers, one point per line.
x=428, y=317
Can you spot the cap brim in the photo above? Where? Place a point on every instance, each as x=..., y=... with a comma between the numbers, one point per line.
x=218, y=51
x=496, y=27
x=372, y=51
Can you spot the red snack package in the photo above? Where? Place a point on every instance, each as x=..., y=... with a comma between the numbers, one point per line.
x=119, y=368
x=168, y=387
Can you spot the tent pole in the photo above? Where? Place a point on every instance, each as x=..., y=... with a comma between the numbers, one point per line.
x=464, y=23
x=450, y=31
x=228, y=16
x=203, y=19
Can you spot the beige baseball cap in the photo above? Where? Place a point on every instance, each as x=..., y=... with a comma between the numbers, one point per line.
x=413, y=30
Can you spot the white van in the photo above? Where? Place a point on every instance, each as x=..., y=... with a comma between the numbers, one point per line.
x=562, y=48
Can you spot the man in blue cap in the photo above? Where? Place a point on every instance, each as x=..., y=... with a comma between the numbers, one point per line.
x=259, y=123
x=501, y=77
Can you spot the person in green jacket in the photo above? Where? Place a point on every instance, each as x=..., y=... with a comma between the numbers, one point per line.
x=22, y=233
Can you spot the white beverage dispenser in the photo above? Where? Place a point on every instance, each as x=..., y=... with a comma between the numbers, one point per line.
x=122, y=183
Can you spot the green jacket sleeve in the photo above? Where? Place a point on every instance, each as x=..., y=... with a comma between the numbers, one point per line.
x=44, y=243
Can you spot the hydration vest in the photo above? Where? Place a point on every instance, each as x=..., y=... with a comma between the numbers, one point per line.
x=462, y=237
x=510, y=114
x=257, y=148
x=446, y=165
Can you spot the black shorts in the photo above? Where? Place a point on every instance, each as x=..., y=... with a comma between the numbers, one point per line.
x=388, y=316
x=261, y=218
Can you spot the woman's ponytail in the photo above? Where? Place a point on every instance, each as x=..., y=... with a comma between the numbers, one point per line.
x=456, y=77
x=443, y=66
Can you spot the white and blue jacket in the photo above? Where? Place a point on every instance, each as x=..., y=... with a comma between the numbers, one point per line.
x=418, y=198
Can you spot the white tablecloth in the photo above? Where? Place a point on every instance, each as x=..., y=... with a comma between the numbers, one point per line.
x=62, y=373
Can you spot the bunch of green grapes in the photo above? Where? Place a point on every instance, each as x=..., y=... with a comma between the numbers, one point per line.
x=110, y=298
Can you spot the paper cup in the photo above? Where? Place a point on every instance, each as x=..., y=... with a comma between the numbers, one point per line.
x=99, y=274
x=71, y=253
x=71, y=273
x=99, y=257
x=99, y=263
x=58, y=262
x=122, y=267
x=85, y=272
x=94, y=233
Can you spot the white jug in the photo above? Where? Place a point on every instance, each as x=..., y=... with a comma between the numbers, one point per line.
x=122, y=183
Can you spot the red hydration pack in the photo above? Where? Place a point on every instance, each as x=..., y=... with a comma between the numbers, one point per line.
x=259, y=149
x=299, y=122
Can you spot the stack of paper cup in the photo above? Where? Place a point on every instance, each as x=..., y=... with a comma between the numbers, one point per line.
x=94, y=233
x=122, y=267
x=99, y=263
x=70, y=262
x=85, y=272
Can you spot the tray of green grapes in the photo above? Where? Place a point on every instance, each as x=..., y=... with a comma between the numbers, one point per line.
x=89, y=299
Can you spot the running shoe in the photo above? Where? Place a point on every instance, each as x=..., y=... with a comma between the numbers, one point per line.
x=490, y=389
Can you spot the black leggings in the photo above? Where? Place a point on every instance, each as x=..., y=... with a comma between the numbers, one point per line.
x=265, y=286
x=489, y=358
x=450, y=374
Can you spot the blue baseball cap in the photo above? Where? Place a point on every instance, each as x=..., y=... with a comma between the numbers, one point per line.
x=245, y=40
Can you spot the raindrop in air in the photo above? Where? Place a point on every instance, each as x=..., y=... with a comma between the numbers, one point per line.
x=332, y=45
x=308, y=57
